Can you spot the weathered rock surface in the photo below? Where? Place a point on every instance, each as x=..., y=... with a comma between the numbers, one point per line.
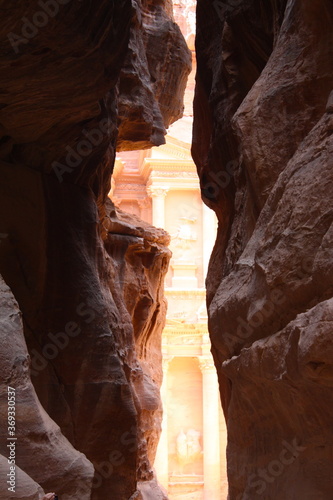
x=87, y=280
x=96, y=360
x=27, y=488
x=153, y=82
x=263, y=147
x=40, y=449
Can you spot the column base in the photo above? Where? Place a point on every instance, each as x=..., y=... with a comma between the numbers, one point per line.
x=184, y=275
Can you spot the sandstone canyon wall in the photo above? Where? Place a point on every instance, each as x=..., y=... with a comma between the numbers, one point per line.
x=263, y=147
x=82, y=305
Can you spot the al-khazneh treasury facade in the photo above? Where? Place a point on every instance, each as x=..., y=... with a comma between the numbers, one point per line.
x=161, y=186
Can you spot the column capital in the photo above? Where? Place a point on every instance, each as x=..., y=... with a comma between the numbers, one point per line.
x=206, y=364
x=158, y=191
x=144, y=203
x=166, y=360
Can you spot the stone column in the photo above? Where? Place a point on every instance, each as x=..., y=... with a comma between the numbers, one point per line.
x=209, y=229
x=161, y=463
x=158, y=195
x=211, y=434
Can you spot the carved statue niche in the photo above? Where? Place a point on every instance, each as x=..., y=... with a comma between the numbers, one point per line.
x=183, y=239
x=188, y=447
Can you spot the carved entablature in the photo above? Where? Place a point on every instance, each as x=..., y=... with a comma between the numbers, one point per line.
x=191, y=175
x=184, y=340
x=157, y=191
x=131, y=187
x=206, y=364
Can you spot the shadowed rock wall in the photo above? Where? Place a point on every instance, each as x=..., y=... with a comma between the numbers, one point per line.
x=263, y=147
x=88, y=280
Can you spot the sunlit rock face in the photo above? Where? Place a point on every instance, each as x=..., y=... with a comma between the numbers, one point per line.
x=88, y=280
x=263, y=147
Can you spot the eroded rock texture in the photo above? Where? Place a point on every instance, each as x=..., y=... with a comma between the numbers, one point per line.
x=41, y=449
x=153, y=80
x=263, y=147
x=87, y=280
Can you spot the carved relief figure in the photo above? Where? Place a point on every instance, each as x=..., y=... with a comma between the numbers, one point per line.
x=188, y=447
x=184, y=238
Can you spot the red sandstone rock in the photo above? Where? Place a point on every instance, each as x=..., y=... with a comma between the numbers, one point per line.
x=263, y=144
x=40, y=449
x=92, y=301
x=152, y=89
x=26, y=489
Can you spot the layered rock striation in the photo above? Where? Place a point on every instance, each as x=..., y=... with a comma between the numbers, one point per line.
x=263, y=147
x=87, y=280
